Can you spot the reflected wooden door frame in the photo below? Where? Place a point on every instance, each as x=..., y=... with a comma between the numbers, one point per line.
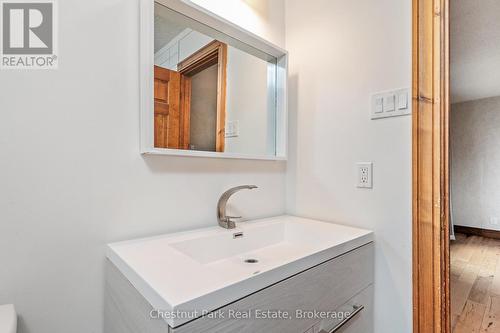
x=211, y=54
x=431, y=262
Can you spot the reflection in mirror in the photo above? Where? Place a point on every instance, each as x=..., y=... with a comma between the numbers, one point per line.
x=211, y=92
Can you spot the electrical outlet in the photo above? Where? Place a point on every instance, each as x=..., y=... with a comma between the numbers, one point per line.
x=364, y=174
x=232, y=129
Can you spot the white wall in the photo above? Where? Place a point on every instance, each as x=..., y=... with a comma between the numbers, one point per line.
x=71, y=177
x=475, y=138
x=340, y=53
x=181, y=47
x=474, y=50
x=258, y=16
x=247, y=103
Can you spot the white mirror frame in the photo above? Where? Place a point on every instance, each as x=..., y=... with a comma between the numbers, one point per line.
x=207, y=18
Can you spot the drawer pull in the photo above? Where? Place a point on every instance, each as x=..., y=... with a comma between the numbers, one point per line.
x=356, y=309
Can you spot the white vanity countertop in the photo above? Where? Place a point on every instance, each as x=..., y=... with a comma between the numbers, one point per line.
x=204, y=269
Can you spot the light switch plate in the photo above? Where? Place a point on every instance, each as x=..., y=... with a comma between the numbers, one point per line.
x=364, y=171
x=393, y=103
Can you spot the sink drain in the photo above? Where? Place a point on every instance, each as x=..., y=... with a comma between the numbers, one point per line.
x=251, y=261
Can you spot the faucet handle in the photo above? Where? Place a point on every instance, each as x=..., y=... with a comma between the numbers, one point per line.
x=234, y=217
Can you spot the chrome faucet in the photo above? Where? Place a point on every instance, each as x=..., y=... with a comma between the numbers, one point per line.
x=224, y=220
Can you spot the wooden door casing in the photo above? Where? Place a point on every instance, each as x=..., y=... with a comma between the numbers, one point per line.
x=185, y=110
x=211, y=54
x=431, y=262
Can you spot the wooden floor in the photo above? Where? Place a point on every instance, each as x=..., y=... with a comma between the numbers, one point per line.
x=475, y=284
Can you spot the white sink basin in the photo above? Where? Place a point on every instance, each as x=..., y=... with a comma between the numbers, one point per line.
x=202, y=270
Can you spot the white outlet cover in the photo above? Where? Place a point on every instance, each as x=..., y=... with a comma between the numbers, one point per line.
x=232, y=129
x=364, y=174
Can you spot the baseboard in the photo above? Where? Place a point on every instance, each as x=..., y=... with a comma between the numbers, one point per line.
x=477, y=232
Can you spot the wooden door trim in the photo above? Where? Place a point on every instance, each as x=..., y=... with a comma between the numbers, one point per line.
x=185, y=111
x=472, y=231
x=431, y=289
x=211, y=54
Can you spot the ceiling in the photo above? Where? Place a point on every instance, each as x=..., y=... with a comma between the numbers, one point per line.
x=475, y=49
x=165, y=27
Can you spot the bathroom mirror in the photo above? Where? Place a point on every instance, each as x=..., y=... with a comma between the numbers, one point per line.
x=209, y=88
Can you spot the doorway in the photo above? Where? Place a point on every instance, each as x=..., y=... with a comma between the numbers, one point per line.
x=190, y=101
x=454, y=288
x=474, y=161
x=207, y=70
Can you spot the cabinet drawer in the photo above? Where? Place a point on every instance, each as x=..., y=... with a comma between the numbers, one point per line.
x=322, y=288
x=356, y=322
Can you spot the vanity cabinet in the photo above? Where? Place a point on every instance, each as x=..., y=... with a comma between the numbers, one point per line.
x=341, y=284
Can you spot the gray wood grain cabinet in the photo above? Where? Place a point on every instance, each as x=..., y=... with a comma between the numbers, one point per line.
x=312, y=301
